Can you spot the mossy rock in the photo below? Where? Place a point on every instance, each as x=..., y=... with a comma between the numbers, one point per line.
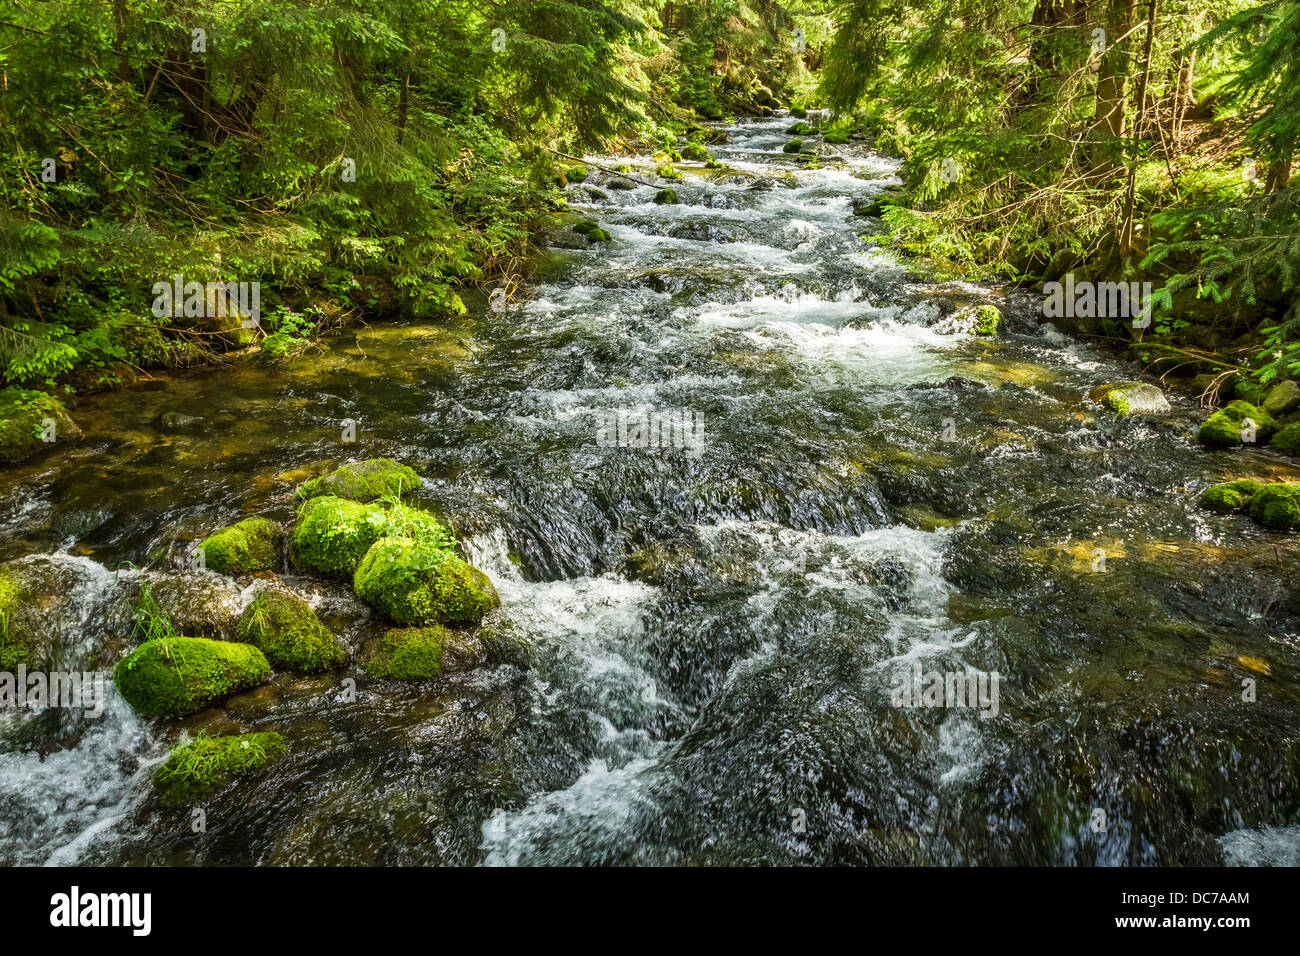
x=798, y=112
x=1287, y=439
x=696, y=153
x=889, y=196
x=17, y=631
x=252, y=545
x=576, y=174
x=1247, y=389
x=332, y=534
x=591, y=229
x=666, y=197
x=988, y=320
x=1224, y=429
x=835, y=138
x=363, y=481
x=179, y=675
x=31, y=421
x=413, y=653
x=671, y=173
x=285, y=628
x=794, y=146
x=800, y=129
x=206, y=764
x=1277, y=506
x=1230, y=496
x=1131, y=398
x=416, y=582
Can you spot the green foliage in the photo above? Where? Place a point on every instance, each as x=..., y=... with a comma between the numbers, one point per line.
x=149, y=622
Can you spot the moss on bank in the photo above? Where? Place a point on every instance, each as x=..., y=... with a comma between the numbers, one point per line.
x=30, y=421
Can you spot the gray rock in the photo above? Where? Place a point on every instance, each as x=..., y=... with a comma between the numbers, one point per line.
x=1132, y=398
x=1284, y=398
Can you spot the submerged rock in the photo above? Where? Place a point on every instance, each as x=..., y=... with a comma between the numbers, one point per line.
x=31, y=421
x=252, y=545
x=332, y=534
x=1131, y=398
x=415, y=582
x=363, y=481
x=1232, y=426
x=179, y=675
x=285, y=628
x=203, y=766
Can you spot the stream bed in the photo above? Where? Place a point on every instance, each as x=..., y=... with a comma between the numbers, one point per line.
x=717, y=624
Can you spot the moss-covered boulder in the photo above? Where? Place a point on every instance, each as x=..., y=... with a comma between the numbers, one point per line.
x=794, y=146
x=285, y=628
x=671, y=173
x=1283, y=398
x=31, y=421
x=331, y=535
x=1131, y=398
x=988, y=320
x=591, y=229
x=666, y=197
x=836, y=137
x=1277, y=506
x=415, y=582
x=412, y=653
x=1287, y=439
x=576, y=174
x=1225, y=429
x=204, y=765
x=363, y=481
x=695, y=152
x=17, y=632
x=1230, y=496
x=179, y=675
x=252, y=545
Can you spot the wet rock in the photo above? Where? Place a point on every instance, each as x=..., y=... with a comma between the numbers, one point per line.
x=363, y=481
x=201, y=767
x=197, y=604
x=955, y=382
x=1234, y=425
x=415, y=582
x=666, y=197
x=699, y=232
x=1131, y=398
x=422, y=653
x=179, y=675
x=620, y=183
x=1282, y=399
x=1229, y=497
x=1277, y=506
x=249, y=546
x=178, y=420
x=31, y=421
x=285, y=628
x=874, y=208
x=591, y=230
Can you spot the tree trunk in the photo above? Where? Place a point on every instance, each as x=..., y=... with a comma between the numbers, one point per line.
x=1112, y=84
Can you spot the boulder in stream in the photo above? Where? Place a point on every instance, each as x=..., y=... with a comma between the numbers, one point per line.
x=1240, y=422
x=1131, y=398
x=332, y=534
x=285, y=628
x=251, y=545
x=416, y=582
x=204, y=765
x=179, y=675
x=363, y=481
x=1277, y=506
x=1229, y=497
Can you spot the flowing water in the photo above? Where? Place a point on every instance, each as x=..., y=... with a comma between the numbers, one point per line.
x=715, y=630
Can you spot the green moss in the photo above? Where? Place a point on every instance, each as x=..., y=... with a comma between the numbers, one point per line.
x=288, y=632
x=800, y=129
x=1223, y=428
x=696, y=153
x=1247, y=389
x=13, y=648
x=332, y=534
x=416, y=583
x=591, y=229
x=204, y=765
x=1287, y=439
x=988, y=320
x=363, y=481
x=1277, y=506
x=794, y=146
x=251, y=545
x=670, y=173
x=413, y=653
x=179, y=675
x=666, y=197
x=1229, y=497
x=836, y=138
x=24, y=415
x=576, y=174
